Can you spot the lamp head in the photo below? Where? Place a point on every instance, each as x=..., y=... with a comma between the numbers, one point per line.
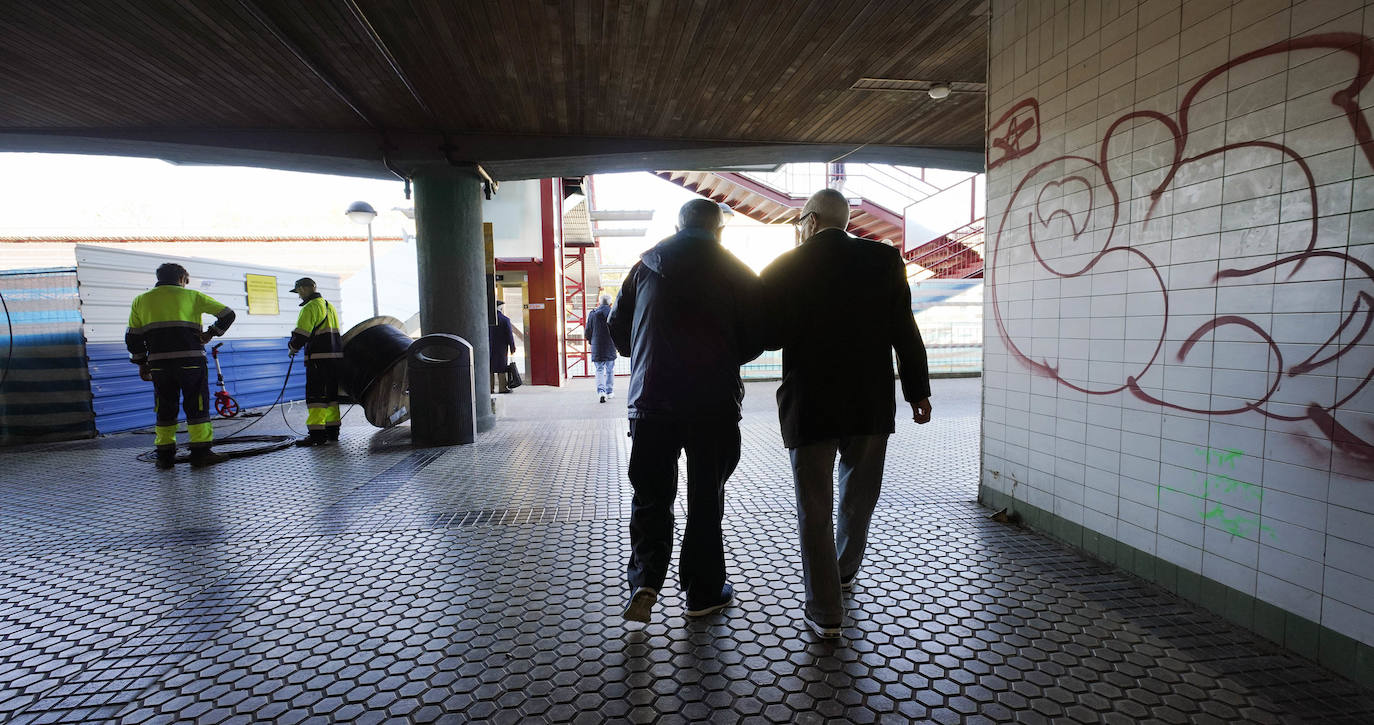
x=361, y=212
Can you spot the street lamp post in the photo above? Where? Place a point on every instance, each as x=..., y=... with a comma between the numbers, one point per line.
x=362, y=212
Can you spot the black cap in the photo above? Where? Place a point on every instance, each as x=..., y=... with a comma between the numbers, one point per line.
x=303, y=281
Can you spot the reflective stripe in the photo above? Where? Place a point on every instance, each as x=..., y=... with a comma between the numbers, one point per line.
x=170, y=323
x=176, y=354
x=315, y=418
x=165, y=435
x=201, y=433
x=323, y=355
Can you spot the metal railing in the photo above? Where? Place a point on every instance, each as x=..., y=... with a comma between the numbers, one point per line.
x=893, y=187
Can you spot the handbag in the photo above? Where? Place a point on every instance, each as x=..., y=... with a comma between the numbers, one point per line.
x=513, y=379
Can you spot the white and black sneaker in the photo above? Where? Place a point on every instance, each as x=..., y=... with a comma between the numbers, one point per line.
x=603, y=397
x=827, y=631
x=641, y=605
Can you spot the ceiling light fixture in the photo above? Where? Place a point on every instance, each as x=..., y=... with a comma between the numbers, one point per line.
x=938, y=91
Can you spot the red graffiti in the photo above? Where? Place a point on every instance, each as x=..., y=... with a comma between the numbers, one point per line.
x=1015, y=134
x=1063, y=191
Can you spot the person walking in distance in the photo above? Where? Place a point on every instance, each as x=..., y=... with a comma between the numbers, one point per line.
x=687, y=319
x=602, y=348
x=501, y=341
x=166, y=343
x=317, y=331
x=839, y=398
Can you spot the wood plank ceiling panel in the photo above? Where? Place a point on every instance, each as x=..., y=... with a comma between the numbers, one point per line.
x=751, y=70
x=201, y=64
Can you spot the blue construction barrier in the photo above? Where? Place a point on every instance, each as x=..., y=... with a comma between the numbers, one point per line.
x=254, y=370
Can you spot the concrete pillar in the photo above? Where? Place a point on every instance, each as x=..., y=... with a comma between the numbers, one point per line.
x=449, y=251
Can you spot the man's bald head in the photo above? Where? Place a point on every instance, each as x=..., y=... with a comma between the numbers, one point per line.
x=700, y=214
x=830, y=209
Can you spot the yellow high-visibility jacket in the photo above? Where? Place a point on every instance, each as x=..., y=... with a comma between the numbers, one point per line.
x=317, y=330
x=164, y=323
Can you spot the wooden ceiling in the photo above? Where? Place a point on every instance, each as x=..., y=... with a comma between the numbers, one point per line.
x=524, y=85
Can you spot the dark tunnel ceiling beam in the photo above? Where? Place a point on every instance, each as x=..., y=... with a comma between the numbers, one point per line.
x=505, y=157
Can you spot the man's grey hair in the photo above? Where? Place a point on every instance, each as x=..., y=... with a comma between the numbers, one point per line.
x=700, y=214
x=606, y=298
x=830, y=208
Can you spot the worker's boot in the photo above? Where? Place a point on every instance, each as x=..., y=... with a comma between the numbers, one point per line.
x=332, y=434
x=206, y=457
x=316, y=438
x=166, y=459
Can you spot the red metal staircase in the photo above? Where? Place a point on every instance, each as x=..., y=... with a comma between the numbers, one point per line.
x=763, y=203
x=957, y=255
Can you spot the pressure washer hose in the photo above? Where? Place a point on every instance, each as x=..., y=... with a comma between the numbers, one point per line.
x=272, y=442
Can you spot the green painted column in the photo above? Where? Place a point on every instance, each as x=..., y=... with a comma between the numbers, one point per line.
x=450, y=254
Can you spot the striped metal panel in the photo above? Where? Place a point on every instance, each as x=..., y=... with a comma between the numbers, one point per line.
x=254, y=353
x=45, y=394
x=254, y=371
x=111, y=278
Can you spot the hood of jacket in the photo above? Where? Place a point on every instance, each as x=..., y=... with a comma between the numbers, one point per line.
x=679, y=253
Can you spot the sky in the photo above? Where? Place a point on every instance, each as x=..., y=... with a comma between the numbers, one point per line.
x=56, y=194
x=72, y=195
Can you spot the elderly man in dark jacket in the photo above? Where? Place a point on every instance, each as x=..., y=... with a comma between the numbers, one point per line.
x=687, y=318
x=840, y=398
x=603, y=348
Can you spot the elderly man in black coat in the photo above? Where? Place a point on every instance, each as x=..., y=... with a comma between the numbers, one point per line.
x=840, y=398
x=687, y=317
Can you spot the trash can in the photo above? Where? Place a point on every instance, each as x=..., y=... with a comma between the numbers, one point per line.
x=442, y=406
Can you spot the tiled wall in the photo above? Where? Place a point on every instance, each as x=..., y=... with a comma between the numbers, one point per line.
x=1180, y=288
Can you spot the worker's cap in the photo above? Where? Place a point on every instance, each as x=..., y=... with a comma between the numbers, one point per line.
x=303, y=282
x=500, y=303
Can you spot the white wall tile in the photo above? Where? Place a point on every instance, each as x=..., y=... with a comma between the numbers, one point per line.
x=1306, y=573
x=1198, y=462
x=1348, y=620
x=1236, y=576
x=1302, y=602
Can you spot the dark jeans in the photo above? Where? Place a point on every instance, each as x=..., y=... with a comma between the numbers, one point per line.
x=712, y=454
x=833, y=552
x=184, y=383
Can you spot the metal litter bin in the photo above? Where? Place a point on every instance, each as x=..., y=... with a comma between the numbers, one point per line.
x=442, y=406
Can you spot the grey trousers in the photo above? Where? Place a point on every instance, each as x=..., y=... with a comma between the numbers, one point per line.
x=831, y=553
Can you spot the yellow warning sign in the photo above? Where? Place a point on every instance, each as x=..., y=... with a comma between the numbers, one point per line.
x=262, y=294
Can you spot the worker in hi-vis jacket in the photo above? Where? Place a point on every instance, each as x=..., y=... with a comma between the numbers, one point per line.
x=317, y=330
x=165, y=341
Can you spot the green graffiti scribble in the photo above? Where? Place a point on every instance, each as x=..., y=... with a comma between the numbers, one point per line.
x=1229, y=484
x=1223, y=456
x=1236, y=525
x=1233, y=523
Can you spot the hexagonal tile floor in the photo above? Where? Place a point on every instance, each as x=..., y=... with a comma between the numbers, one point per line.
x=371, y=582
